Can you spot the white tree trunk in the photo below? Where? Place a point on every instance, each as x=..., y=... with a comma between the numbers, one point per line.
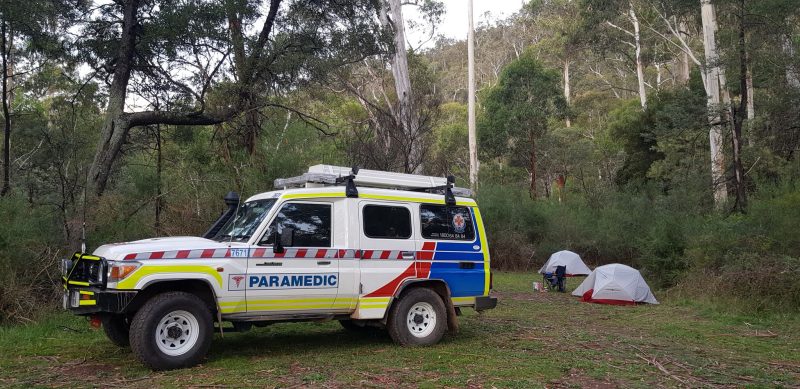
x=567, y=92
x=792, y=78
x=685, y=65
x=713, y=79
x=473, y=142
x=639, y=64
x=393, y=17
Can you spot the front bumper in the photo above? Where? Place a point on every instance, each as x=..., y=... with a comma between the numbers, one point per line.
x=483, y=303
x=87, y=301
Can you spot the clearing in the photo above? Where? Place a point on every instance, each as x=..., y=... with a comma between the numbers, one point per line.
x=530, y=340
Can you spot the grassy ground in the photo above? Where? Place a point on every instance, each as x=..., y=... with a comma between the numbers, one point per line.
x=530, y=340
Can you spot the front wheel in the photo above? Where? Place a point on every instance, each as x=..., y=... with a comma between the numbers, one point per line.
x=418, y=318
x=173, y=330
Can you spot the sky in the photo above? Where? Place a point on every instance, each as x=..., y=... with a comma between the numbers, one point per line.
x=454, y=21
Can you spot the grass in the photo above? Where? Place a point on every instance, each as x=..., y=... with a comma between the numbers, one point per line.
x=530, y=340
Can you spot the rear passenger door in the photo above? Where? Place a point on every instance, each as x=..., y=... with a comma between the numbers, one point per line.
x=387, y=246
x=450, y=246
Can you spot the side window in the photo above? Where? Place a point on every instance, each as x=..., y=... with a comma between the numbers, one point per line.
x=386, y=222
x=447, y=223
x=311, y=224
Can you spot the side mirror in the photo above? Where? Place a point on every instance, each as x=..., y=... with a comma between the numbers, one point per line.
x=287, y=237
x=277, y=247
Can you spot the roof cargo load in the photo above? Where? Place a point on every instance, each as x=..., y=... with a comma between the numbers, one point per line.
x=324, y=175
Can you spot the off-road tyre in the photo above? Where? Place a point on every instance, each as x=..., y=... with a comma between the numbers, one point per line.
x=417, y=318
x=117, y=329
x=152, y=326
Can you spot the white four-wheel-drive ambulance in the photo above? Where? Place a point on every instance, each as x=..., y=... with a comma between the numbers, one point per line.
x=366, y=248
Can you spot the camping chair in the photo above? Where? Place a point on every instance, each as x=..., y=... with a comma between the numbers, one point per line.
x=555, y=281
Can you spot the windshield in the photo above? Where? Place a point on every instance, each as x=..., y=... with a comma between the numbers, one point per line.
x=244, y=223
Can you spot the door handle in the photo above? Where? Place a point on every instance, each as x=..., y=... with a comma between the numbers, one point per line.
x=323, y=262
x=270, y=264
x=466, y=265
x=407, y=254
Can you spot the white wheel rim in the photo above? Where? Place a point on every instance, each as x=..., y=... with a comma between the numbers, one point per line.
x=177, y=333
x=421, y=319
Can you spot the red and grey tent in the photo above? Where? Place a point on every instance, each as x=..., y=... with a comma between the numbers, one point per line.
x=615, y=284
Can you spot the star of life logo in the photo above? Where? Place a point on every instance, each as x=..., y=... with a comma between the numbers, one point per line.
x=459, y=223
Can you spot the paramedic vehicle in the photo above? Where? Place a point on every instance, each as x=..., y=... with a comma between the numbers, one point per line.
x=366, y=248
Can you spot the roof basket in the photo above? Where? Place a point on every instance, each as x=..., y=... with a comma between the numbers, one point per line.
x=329, y=175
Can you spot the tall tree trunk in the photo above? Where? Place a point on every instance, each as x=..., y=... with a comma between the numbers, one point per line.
x=567, y=92
x=7, y=73
x=532, y=165
x=158, y=202
x=792, y=78
x=116, y=125
x=713, y=101
x=473, y=141
x=685, y=64
x=392, y=15
x=639, y=64
x=739, y=118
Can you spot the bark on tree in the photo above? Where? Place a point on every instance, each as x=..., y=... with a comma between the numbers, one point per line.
x=7, y=73
x=639, y=64
x=739, y=117
x=685, y=65
x=712, y=84
x=567, y=92
x=792, y=78
x=473, y=141
x=392, y=16
x=532, y=165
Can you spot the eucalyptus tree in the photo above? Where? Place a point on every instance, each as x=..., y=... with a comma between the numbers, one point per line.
x=214, y=62
x=517, y=112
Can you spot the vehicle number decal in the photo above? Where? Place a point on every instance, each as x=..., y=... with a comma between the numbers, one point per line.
x=238, y=253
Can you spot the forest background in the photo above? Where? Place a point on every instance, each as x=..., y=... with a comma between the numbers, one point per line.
x=661, y=134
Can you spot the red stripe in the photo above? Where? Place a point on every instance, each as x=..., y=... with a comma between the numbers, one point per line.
x=385, y=254
x=157, y=255
x=358, y=253
x=423, y=269
x=280, y=255
x=391, y=287
x=429, y=246
x=399, y=255
x=131, y=256
x=259, y=253
x=367, y=254
x=183, y=254
x=207, y=253
x=301, y=253
x=321, y=253
x=425, y=255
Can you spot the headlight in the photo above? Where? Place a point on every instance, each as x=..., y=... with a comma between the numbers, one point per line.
x=118, y=271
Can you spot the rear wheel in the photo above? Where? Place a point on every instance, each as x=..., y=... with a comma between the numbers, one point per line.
x=117, y=328
x=173, y=330
x=418, y=318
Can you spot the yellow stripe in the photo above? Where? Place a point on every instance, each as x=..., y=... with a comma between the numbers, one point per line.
x=312, y=195
x=144, y=271
x=288, y=301
x=461, y=300
x=374, y=299
x=90, y=257
x=373, y=306
x=81, y=283
x=87, y=302
x=86, y=292
x=485, y=248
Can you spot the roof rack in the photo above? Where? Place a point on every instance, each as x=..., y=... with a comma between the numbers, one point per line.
x=330, y=175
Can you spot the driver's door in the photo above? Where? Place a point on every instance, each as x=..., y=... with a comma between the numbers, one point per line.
x=305, y=276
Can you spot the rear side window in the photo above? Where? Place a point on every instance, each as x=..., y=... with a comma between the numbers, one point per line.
x=386, y=222
x=446, y=223
x=311, y=224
